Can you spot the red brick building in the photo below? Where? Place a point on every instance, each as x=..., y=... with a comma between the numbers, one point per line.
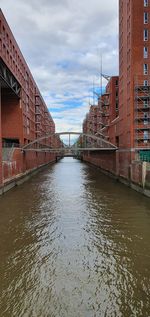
x=109, y=105
x=103, y=118
x=134, y=80
x=90, y=122
x=23, y=112
x=124, y=116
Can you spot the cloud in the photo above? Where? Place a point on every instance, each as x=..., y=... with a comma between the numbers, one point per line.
x=62, y=42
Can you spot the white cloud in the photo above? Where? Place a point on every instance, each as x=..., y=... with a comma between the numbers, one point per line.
x=62, y=41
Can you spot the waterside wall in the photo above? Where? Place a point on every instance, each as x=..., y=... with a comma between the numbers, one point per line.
x=135, y=174
x=21, y=166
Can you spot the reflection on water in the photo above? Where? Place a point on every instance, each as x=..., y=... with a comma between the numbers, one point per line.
x=74, y=243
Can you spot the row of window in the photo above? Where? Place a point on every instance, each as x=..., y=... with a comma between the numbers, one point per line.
x=145, y=54
x=145, y=49
x=145, y=66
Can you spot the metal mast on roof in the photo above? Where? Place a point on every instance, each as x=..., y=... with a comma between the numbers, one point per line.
x=101, y=66
x=93, y=93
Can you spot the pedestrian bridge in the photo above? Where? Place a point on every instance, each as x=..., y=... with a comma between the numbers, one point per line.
x=69, y=143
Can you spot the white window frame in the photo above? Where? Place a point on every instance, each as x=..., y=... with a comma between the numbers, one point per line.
x=145, y=52
x=145, y=103
x=145, y=34
x=145, y=17
x=145, y=69
x=145, y=135
x=145, y=119
x=145, y=83
x=145, y=3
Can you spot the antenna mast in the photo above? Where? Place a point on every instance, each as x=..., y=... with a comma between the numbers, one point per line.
x=93, y=94
x=101, y=75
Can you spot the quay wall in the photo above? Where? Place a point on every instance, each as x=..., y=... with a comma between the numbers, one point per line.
x=135, y=173
x=21, y=166
x=105, y=160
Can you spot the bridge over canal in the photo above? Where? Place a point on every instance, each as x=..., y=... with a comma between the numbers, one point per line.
x=70, y=143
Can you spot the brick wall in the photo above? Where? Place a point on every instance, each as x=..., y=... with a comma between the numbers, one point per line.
x=106, y=161
x=11, y=119
x=22, y=162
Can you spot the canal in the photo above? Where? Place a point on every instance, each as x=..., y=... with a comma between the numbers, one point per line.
x=74, y=243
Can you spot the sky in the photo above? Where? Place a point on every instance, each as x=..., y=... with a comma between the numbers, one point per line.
x=63, y=42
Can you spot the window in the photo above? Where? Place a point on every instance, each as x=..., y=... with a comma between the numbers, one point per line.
x=145, y=35
x=145, y=83
x=145, y=103
x=28, y=126
x=145, y=135
x=27, y=81
x=128, y=6
x=145, y=52
x=145, y=118
x=117, y=141
x=37, y=109
x=145, y=3
x=145, y=17
x=3, y=32
x=128, y=23
x=145, y=70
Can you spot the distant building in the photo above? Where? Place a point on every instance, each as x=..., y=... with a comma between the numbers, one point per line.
x=90, y=122
x=101, y=119
x=109, y=110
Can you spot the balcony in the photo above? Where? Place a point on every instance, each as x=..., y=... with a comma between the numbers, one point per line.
x=142, y=117
x=105, y=114
x=142, y=97
x=142, y=88
x=142, y=126
x=142, y=136
x=105, y=103
x=142, y=106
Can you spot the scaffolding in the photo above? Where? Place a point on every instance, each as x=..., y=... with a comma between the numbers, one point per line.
x=105, y=112
x=142, y=114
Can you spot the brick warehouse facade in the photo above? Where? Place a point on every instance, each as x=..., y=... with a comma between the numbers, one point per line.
x=129, y=128
x=23, y=113
x=134, y=79
x=103, y=119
